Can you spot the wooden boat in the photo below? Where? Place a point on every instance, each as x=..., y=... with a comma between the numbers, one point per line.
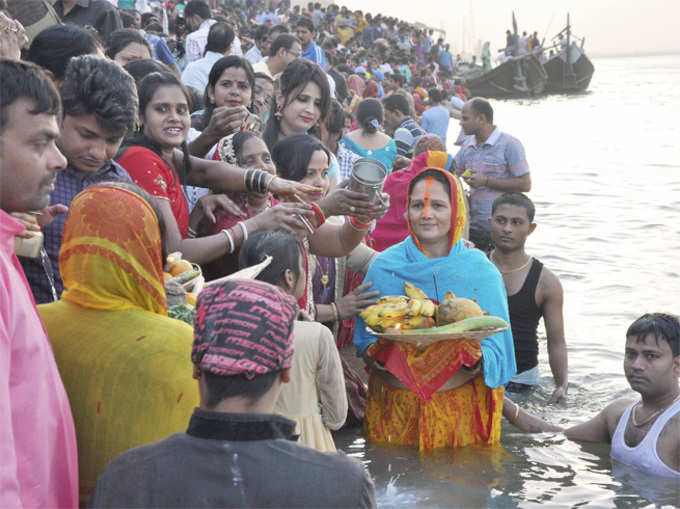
x=569, y=69
x=518, y=76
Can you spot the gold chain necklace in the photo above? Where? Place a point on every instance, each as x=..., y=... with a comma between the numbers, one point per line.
x=495, y=262
x=652, y=416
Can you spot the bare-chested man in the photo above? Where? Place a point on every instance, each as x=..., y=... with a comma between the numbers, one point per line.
x=645, y=433
x=533, y=292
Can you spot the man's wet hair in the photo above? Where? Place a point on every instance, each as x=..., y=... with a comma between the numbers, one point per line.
x=518, y=199
x=661, y=326
x=24, y=80
x=482, y=107
x=100, y=87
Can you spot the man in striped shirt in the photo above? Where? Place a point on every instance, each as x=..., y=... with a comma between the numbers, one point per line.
x=406, y=131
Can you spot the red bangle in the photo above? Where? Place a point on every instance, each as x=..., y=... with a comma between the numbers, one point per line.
x=356, y=224
x=320, y=217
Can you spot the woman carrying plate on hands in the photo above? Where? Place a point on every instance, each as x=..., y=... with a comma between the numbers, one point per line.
x=430, y=400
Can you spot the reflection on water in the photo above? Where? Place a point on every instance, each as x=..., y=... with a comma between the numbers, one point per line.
x=606, y=182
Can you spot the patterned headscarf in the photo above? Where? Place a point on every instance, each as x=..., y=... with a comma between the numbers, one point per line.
x=110, y=256
x=457, y=208
x=243, y=327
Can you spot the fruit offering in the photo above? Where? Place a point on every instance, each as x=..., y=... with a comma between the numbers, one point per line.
x=182, y=272
x=416, y=313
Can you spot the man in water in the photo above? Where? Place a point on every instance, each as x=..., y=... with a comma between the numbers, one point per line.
x=236, y=452
x=533, y=292
x=492, y=163
x=39, y=466
x=644, y=434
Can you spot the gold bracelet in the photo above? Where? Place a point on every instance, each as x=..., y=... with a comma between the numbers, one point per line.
x=336, y=315
x=514, y=419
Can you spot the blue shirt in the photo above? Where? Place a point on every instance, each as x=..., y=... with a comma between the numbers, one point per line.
x=69, y=183
x=159, y=49
x=315, y=54
x=435, y=120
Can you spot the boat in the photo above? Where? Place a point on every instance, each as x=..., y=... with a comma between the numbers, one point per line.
x=517, y=77
x=569, y=70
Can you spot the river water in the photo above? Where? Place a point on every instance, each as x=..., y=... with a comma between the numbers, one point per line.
x=605, y=168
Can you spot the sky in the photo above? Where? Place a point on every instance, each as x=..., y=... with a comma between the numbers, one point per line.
x=610, y=27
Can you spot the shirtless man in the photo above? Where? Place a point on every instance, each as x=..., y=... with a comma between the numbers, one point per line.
x=644, y=434
x=533, y=292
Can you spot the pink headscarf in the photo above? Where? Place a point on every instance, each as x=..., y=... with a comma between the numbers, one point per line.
x=356, y=83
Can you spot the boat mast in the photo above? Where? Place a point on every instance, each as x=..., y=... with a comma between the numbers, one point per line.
x=569, y=76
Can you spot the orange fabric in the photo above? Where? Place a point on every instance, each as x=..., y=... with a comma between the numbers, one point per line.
x=425, y=371
x=110, y=256
x=470, y=414
x=457, y=208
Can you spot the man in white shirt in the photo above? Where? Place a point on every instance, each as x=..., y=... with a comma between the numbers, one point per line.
x=197, y=15
x=220, y=39
x=261, y=46
x=282, y=52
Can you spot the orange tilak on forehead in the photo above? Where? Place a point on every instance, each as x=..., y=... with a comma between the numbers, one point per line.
x=426, y=196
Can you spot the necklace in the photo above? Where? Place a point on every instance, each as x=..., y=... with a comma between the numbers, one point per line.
x=652, y=416
x=495, y=262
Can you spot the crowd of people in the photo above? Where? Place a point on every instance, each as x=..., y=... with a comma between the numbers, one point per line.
x=229, y=133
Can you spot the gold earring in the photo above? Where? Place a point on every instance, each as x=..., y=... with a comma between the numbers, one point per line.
x=278, y=114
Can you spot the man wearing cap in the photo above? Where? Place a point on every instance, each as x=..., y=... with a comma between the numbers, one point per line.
x=235, y=452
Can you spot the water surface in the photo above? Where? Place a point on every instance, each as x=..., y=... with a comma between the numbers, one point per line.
x=605, y=168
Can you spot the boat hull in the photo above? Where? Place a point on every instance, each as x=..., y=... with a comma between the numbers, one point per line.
x=517, y=77
x=561, y=80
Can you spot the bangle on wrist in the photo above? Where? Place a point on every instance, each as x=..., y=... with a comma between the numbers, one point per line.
x=191, y=233
x=514, y=418
x=230, y=239
x=260, y=181
x=244, y=229
x=354, y=222
x=318, y=213
x=268, y=184
x=336, y=315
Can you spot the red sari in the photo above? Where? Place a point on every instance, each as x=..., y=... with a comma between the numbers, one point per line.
x=149, y=171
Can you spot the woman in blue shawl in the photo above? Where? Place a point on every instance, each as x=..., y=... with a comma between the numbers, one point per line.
x=459, y=406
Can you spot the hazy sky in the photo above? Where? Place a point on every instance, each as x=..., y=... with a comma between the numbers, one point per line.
x=611, y=27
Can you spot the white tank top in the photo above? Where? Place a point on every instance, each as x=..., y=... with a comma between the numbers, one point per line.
x=644, y=456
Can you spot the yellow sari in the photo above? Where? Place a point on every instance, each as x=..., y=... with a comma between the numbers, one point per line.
x=422, y=417
x=126, y=366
